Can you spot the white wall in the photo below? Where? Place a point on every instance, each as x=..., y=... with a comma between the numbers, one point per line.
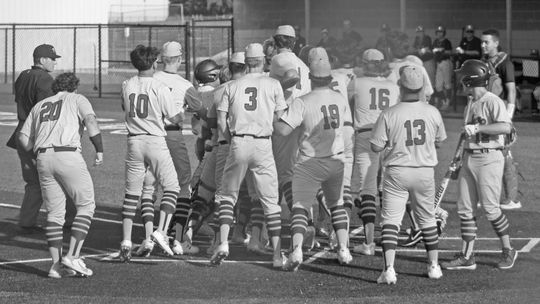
x=54, y=11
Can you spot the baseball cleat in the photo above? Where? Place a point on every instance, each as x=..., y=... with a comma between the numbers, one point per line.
x=145, y=249
x=460, y=262
x=59, y=271
x=511, y=205
x=279, y=262
x=344, y=256
x=434, y=271
x=508, y=258
x=365, y=249
x=388, y=276
x=125, y=251
x=78, y=265
x=294, y=260
x=180, y=248
x=415, y=236
x=159, y=237
x=221, y=252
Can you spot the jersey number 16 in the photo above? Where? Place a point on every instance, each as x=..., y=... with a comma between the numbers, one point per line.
x=379, y=99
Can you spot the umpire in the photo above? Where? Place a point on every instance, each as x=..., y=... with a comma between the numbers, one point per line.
x=31, y=86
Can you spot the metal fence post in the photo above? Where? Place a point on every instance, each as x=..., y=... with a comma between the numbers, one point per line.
x=149, y=36
x=232, y=34
x=74, y=49
x=188, y=50
x=13, y=60
x=6, y=56
x=99, y=61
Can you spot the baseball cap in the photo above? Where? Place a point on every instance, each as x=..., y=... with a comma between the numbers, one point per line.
x=46, y=51
x=372, y=55
x=285, y=30
x=171, y=49
x=281, y=63
x=419, y=28
x=440, y=28
x=414, y=60
x=469, y=28
x=254, y=50
x=238, y=57
x=319, y=64
x=411, y=77
x=324, y=30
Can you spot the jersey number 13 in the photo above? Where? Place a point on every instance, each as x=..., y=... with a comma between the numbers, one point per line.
x=416, y=128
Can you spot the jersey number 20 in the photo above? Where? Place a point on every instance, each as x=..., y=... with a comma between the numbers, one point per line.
x=379, y=99
x=419, y=127
x=50, y=111
x=141, y=108
x=331, y=116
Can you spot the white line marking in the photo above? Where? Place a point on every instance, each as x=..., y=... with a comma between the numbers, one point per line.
x=325, y=254
x=46, y=259
x=530, y=245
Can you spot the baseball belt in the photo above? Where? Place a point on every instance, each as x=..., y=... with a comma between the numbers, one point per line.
x=57, y=149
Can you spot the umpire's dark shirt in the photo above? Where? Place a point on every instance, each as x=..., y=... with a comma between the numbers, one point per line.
x=31, y=86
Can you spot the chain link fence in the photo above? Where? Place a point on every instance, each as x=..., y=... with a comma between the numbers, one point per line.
x=99, y=53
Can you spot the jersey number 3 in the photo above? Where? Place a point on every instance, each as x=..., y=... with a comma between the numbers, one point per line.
x=331, y=116
x=50, y=111
x=141, y=108
x=252, y=104
x=418, y=126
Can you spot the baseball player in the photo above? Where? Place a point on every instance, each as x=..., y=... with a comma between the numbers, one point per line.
x=442, y=49
x=53, y=131
x=184, y=96
x=285, y=148
x=146, y=101
x=483, y=161
x=245, y=116
x=371, y=94
x=321, y=114
x=407, y=133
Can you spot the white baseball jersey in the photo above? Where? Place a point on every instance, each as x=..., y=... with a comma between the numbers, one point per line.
x=251, y=102
x=409, y=130
x=340, y=82
x=294, y=63
x=182, y=91
x=322, y=114
x=57, y=121
x=212, y=112
x=146, y=101
x=394, y=75
x=371, y=96
x=487, y=110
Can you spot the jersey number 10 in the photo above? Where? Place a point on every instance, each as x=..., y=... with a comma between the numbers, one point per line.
x=141, y=108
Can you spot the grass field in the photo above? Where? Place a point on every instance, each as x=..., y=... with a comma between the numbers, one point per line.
x=24, y=260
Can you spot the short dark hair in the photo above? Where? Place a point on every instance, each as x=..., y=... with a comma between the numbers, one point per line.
x=399, y=43
x=284, y=41
x=236, y=67
x=317, y=82
x=65, y=82
x=492, y=32
x=143, y=57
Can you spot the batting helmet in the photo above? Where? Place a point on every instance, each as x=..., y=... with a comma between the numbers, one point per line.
x=441, y=28
x=207, y=71
x=473, y=73
x=304, y=52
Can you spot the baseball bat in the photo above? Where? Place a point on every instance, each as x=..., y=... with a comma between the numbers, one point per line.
x=455, y=164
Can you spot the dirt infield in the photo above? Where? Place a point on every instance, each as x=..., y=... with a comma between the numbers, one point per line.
x=244, y=278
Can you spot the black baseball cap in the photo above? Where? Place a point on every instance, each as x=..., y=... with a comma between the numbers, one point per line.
x=46, y=51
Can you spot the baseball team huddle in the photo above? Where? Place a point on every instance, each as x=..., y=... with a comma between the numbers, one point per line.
x=291, y=127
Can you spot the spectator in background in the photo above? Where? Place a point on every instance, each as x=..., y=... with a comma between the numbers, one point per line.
x=442, y=49
x=270, y=50
x=422, y=49
x=300, y=41
x=382, y=41
x=470, y=46
x=328, y=43
x=350, y=44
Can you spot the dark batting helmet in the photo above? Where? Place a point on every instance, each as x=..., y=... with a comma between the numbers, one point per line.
x=207, y=71
x=473, y=73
